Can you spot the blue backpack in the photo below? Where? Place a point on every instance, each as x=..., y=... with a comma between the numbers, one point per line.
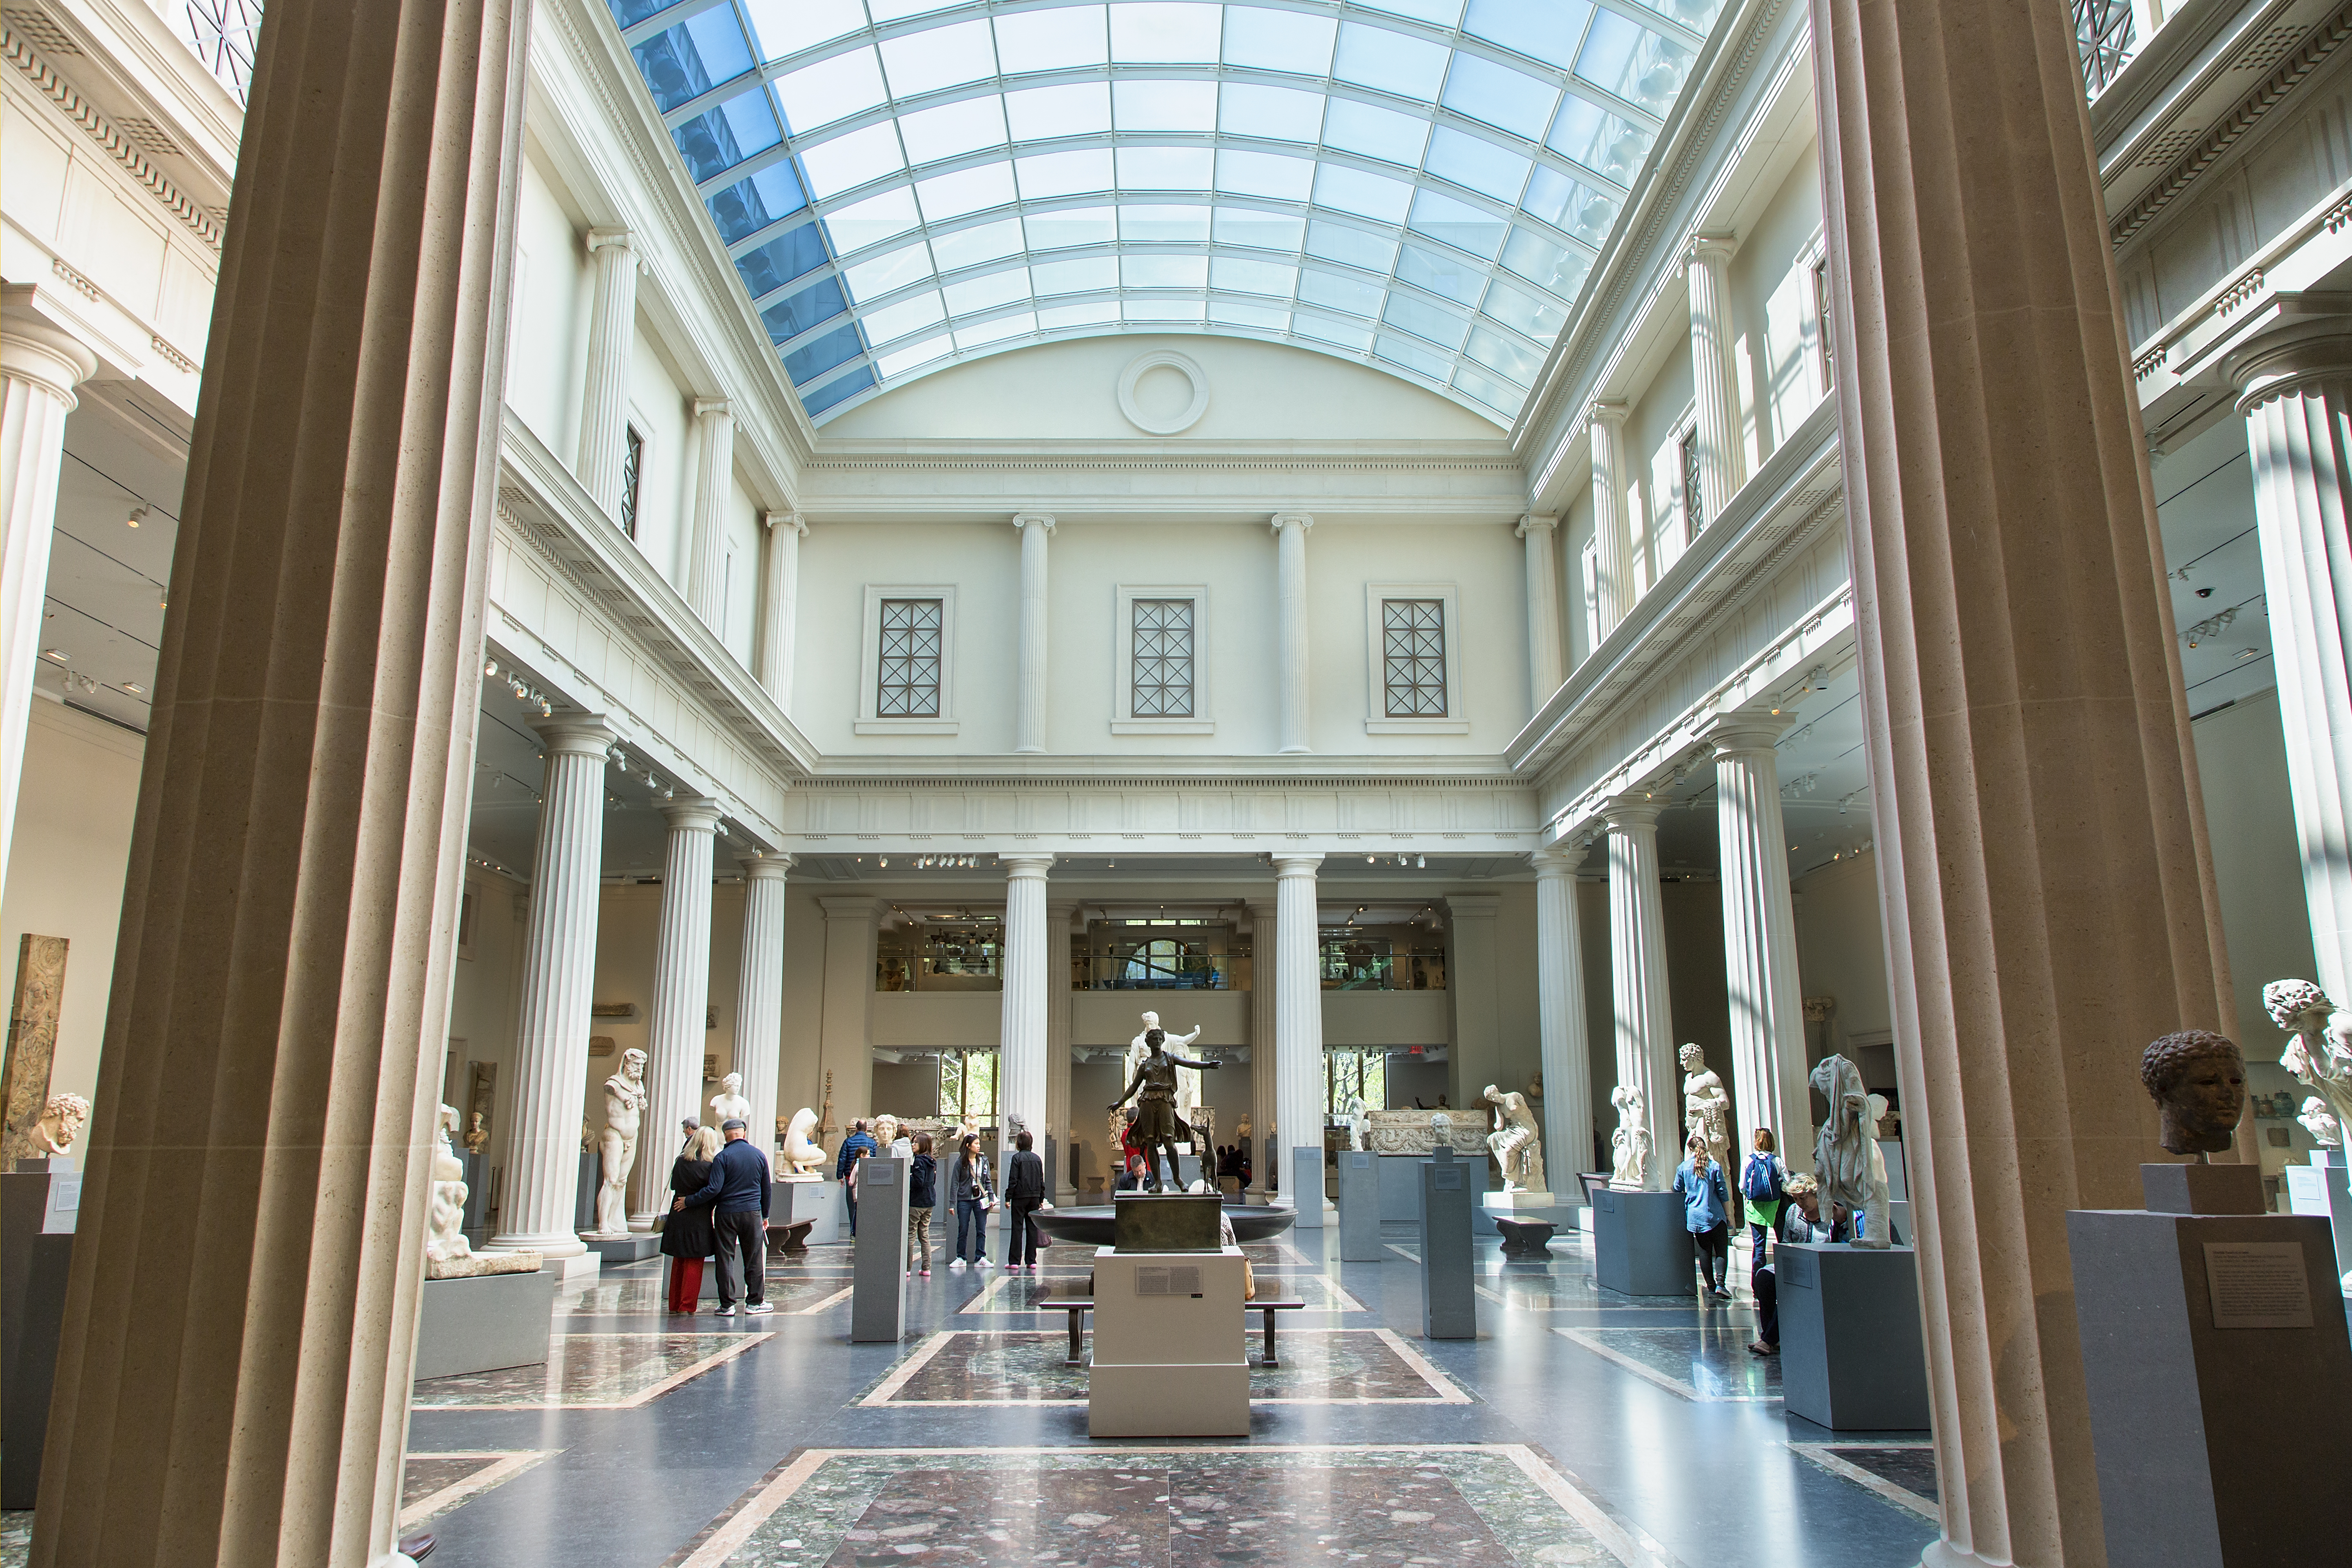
x=1761, y=1179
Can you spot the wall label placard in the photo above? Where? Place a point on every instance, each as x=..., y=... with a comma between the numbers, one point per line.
x=2258, y=1285
x=1447, y=1180
x=1168, y=1279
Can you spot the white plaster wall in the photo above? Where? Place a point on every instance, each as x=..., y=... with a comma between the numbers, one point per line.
x=660, y=407
x=65, y=867
x=2257, y=868
x=1841, y=952
x=1773, y=320
x=1654, y=434
x=483, y=994
x=742, y=566
x=1069, y=391
x=548, y=348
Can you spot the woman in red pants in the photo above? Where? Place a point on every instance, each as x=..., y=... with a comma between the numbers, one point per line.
x=687, y=1236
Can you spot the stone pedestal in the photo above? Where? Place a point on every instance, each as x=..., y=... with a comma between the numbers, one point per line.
x=1305, y=1187
x=1449, y=1294
x=2220, y=1379
x=1359, y=1207
x=484, y=1323
x=2319, y=1189
x=584, y=1195
x=612, y=1251
x=877, y=1312
x=475, y=1223
x=37, y=1209
x=1851, y=1355
x=1640, y=1245
x=818, y=1200
x=1401, y=1192
x=1170, y=1353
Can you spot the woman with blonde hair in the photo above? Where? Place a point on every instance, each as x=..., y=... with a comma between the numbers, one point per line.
x=687, y=1235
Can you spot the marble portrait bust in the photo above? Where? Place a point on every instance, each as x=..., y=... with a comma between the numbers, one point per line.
x=60, y=1123
x=2198, y=1080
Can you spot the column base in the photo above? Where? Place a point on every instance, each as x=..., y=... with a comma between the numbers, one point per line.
x=561, y=1244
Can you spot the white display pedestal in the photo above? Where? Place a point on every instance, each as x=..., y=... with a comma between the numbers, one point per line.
x=1170, y=1353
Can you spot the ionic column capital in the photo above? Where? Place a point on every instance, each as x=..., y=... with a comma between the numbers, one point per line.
x=1296, y=865
x=699, y=815
x=37, y=350
x=1025, y=866
x=1610, y=413
x=1710, y=249
x=2312, y=343
x=620, y=239
x=1023, y=520
x=768, y=868
x=1297, y=520
x=1555, y=861
x=706, y=407
x=1631, y=812
x=772, y=520
x=1534, y=523
x=1746, y=730
x=575, y=735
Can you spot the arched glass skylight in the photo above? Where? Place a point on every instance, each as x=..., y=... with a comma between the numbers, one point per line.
x=1419, y=184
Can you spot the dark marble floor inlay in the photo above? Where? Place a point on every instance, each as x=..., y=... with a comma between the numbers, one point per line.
x=976, y=1367
x=1912, y=1469
x=426, y=1474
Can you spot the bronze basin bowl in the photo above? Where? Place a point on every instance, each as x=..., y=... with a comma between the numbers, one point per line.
x=1091, y=1225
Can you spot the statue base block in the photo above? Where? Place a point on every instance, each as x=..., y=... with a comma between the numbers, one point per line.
x=2319, y=1188
x=1640, y=1244
x=1359, y=1207
x=2203, y=1189
x=485, y=1323
x=1170, y=1353
x=614, y=1250
x=1850, y=1356
x=2183, y=1318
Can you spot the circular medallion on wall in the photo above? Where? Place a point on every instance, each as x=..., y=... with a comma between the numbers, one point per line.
x=1163, y=393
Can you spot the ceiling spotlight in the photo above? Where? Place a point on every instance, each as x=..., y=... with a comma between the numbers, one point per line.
x=490, y=667
x=60, y=655
x=137, y=515
x=1422, y=864
x=133, y=687
x=886, y=860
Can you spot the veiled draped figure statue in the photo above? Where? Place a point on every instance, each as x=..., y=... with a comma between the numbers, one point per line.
x=1846, y=1160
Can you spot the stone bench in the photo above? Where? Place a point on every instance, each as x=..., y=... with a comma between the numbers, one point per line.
x=1078, y=1308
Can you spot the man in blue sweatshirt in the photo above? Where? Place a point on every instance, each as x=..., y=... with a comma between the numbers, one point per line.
x=739, y=1185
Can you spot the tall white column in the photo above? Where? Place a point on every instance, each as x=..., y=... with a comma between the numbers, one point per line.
x=559, y=984
x=1290, y=594
x=1297, y=1016
x=40, y=365
x=612, y=342
x=1058, y=915
x=1020, y=1061
x=1637, y=966
x=1565, y=1052
x=1715, y=387
x=1759, y=938
x=1265, y=1084
x=676, y=1027
x=779, y=599
x=1029, y=718
x=1613, y=530
x=714, y=487
x=2297, y=391
x=1545, y=668
x=760, y=993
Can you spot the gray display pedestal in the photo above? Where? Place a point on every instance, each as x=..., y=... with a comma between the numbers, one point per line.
x=1359, y=1207
x=2319, y=1189
x=2195, y=1328
x=474, y=1222
x=1850, y=1356
x=1640, y=1245
x=484, y=1323
x=1306, y=1187
x=1400, y=1191
x=1449, y=1292
x=614, y=1250
x=583, y=1202
x=877, y=1312
x=39, y=1205
x=814, y=1200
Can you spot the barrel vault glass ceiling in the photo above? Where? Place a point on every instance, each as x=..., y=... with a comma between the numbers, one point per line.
x=1418, y=184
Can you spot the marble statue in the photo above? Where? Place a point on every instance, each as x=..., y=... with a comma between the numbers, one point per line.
x=445, y=1236
x=1159, y=1127
x=624, y=1107
x=477, y=1136
x=1188, y=1079
x=1630, y=1140
x=2320, y=1055
x=2320, y=1121
x=800, y=1151
x=1706, y=1105
x=1417, y=1131
x=1515, y=1141
x=2198, y=1080
x=1359, y=1122
x=1846, y=1158
x=729, y=1103
x=60, y=1123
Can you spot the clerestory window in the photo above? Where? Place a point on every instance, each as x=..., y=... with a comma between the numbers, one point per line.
x=1162, y=633
x=911, y=642
x=1413, y=652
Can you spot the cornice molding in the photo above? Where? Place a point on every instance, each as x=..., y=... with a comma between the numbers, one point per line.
x=46, y=81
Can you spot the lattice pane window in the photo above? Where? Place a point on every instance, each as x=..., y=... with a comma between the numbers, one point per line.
x=908, y=686
x=1164, y=659
x=2103, y=37
x=633, y=469
x=1413, y=649
x=222, y=34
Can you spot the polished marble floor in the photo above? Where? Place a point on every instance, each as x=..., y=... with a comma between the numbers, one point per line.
x=1581, y=1426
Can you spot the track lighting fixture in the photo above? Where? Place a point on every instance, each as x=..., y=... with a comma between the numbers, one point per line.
x=137, y=515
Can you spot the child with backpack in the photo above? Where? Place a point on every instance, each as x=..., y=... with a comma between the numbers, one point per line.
x=1763, y=1182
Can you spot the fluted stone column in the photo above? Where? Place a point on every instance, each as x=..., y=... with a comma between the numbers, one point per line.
x=544, y=1108
x=1612, y=529
x=612, y=343
x=1029, y=716
x=1290, y=596
x=1759, y=938
x=2046, y=889
x=760, y=993
x=676, y=1025
x=1058, y=915
x=40, y=365
x=233, y=1375
x=714, y=488
x=1021, y=1062
x=1545, y=668
x=2295, y=388
x=1714, y=387
x=1297, y=1016
x=1637, y=965
x=1265, y=1087
x=1566, y=1055
x=780, y=597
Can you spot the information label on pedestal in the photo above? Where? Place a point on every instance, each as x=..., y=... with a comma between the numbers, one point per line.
x=2258, y=1285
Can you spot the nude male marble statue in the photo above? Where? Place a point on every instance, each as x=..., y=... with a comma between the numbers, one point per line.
x=1706, y=1104
x=624, y=1107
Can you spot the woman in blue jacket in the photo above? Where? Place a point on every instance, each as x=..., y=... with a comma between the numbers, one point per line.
x=1706, y=1213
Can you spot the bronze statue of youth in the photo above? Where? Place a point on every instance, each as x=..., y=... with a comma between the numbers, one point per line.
x=1156, y=1121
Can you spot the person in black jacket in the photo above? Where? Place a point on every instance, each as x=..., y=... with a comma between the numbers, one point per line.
x=687, y=1237
x=922, y=1198
x=972, y=1185
x=738, y=1189
x=1024, y=1189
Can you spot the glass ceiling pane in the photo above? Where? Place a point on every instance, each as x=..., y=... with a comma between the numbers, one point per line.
x=1438, y=214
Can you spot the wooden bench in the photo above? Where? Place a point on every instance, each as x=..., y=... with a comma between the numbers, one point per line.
x=1078, y=1308
x=789, y=1239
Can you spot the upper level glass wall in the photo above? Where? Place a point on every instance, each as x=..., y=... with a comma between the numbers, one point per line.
x=1382, y=958
x=1419, y=184
x=1163, y=956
